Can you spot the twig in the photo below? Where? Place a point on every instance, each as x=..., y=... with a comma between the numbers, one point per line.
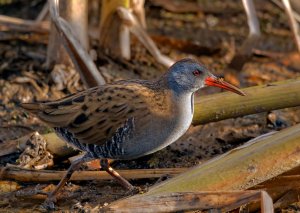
x=11, y=23
x=36, y=192
x=28, y=175
x=266, y=53
x=280, y=5
x=292, y=21
x=281, y=181
x=42, y=15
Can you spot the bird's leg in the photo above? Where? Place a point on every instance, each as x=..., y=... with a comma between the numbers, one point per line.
x=51, y=199
x=105, y=165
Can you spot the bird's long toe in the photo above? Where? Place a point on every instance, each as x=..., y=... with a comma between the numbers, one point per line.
x=49, y=204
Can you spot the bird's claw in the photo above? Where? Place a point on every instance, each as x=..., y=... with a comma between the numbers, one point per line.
x=49, y=204
x=135, y=190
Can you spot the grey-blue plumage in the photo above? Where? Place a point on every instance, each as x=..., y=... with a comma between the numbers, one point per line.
x=128, y=119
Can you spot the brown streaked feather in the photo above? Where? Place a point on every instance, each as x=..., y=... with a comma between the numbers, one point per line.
x=94, y=115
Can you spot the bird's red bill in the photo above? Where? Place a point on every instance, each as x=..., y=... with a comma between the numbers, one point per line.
x=219, y=82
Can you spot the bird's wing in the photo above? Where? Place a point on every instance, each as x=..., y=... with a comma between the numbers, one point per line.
x=94, y=115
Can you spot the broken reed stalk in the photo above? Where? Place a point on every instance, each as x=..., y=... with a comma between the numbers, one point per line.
x=283, y=189
x=241, y=168
x=114, y=35
x=55, y=145
x=31, y=175
x=277, y=188
x=263, y=98
x=118, y=20
x=83, y=63
x=187, y=201
x=75, y=12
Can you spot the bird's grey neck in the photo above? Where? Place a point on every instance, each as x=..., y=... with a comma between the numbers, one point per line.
x=180, y=92
x=170, y=83
x=184, y=98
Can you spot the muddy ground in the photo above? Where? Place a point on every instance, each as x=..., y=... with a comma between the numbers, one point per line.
x=210, y=31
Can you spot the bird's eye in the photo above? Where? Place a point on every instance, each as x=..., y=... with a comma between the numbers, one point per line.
x=196, y=72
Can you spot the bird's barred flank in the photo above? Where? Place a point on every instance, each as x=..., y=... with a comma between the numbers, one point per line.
x=111, y=149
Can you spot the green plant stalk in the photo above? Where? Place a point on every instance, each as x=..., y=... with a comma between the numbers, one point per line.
x=241, y=168
x=264, y=98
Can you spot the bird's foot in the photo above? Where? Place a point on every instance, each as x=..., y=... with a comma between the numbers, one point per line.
x=135, y=190
x=49, y=204
x=163, y=178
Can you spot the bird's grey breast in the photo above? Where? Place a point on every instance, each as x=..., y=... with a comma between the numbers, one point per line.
x=158, y=132
x=183, y=116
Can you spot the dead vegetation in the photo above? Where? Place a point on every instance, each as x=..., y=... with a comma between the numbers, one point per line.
x=258, y=175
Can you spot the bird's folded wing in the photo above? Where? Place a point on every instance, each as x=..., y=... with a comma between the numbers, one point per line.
x=94, y=115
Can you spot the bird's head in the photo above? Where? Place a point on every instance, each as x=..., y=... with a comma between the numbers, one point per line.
x=188, y=76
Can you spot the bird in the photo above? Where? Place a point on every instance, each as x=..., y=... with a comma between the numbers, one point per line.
x=127, y=119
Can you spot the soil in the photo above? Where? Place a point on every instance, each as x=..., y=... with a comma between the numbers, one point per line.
x=212, y=34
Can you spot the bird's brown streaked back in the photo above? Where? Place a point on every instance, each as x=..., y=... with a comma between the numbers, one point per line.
x=94, y=115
